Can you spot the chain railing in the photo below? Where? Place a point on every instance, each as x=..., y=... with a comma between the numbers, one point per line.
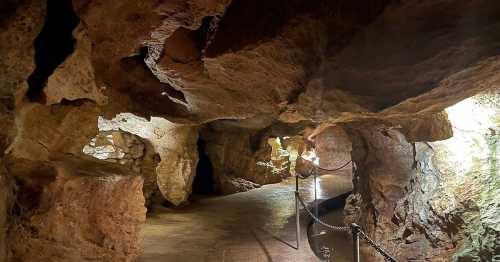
x=335, y=169
x=354, y=229
x=377, y=247
x=319, y=221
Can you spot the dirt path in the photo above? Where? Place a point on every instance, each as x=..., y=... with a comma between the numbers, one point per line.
x=258, y=225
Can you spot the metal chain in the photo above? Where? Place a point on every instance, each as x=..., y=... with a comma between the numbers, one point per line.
x=354, y=229
x=335, y=169
x=372, y=243
x=379, y=249
x=332, y=227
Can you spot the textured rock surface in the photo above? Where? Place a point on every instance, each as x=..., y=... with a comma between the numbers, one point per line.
x=468, y=164
x=74, y=78
x=390, y=66
x=240, y=158
x=333, y=148
x=6, y=197
x=303, y=64
x=400, y=63
x=47, y=132
x=80, y=218
x=176, y=146
x=428, y=127
x=129, y=150
x=393, y=198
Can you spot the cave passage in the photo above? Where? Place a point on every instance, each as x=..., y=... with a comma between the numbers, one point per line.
x=203, y=182
x=54, y=43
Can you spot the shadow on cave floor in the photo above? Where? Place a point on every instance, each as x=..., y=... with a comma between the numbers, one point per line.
x=258, y=225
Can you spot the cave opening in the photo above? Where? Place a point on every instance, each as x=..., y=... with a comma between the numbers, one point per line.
x=204, y=180
x=54, y=43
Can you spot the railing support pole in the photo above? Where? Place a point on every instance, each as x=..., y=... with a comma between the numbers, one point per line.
x=297, y=215
x=355, y=242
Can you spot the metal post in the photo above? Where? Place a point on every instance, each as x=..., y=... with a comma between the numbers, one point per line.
x=297, y=217
x=316, y=211
x=355, y=242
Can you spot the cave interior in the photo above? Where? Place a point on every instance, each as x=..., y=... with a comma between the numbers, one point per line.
x=191, y=130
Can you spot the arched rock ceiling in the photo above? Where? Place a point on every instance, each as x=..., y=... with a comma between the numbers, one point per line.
x=297, y=60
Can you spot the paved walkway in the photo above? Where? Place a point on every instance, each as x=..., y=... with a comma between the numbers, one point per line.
x=258, y=225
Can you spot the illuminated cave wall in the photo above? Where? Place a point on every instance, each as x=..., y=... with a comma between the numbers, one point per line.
x=469, y=163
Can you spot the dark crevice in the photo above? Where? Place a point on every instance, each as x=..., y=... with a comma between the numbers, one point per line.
x=128, y=64
x=54, y=43
x=150, y=94
x=203, y=182
x=175, y=94
x=247, y=22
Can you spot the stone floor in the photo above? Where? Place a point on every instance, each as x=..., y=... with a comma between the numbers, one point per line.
x=258, y=225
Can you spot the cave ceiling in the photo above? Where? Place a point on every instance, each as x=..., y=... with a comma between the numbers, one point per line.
x=194, y=61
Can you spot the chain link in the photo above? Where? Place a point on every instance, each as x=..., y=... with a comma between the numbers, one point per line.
x=332, y=227
x=379, y=249
x=372, y=243
x=335, y=169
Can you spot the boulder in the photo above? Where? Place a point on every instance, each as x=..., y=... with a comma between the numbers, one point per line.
x=78, y=217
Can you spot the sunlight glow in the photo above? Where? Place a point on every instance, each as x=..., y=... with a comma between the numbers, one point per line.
x=470, y=122
x=311, y=156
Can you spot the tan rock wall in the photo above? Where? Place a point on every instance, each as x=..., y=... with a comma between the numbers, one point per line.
x=174, y=143
x=82, y=218
x=333, y=147
x=6, y=197
x=396, y=183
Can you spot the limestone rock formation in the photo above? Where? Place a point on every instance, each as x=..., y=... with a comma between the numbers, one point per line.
x=79, y=218
x=47, y=132
x=6, y=202
x=240, y=159
x=265, y=69
x=174, y=143
x=393, y=197
x=468, y=165
x=65, y=84
x=333, y=148
x=428, y=127
x=129, y=150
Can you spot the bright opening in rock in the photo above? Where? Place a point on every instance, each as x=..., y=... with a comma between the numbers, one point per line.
x=468, y=164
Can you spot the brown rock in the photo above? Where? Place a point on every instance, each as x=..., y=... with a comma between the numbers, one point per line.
x=47, y=132
x=241, y=153
x=395, y=183
x=231, y=185
x=20, y=23
x=174, y=143
x=426, y=128
x=74, y=78
x=333, y=147
x=82, y=218
x=6, y=202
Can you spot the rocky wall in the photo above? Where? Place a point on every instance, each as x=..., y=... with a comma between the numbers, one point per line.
x=174, y=143
x=333, y=148
x=247, y=157
x=83, y=212
x=396, y=198
x=240, y=161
